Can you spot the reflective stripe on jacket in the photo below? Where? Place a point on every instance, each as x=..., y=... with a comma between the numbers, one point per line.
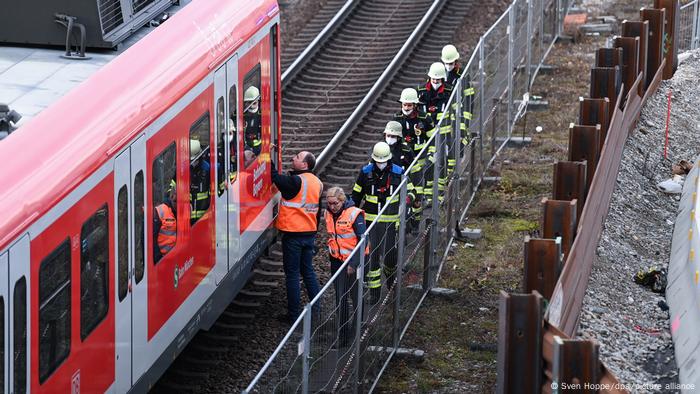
x=299, y=214
x=341, y=234
x=168, y=228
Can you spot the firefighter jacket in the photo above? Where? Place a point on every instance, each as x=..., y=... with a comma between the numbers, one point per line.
x=253, y=134
x=435, y=102
x=165, y=228
x=416, y=126
x=375, y=187
x=300, y=213
x=467, y=99
x=402, y=155
x=345, y=230
x=199, y=188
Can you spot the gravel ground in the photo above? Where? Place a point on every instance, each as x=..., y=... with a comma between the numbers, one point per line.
x=633, y=331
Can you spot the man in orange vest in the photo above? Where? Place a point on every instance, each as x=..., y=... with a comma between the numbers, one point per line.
x=297, y=221
x=345, y=224
x=165, y=224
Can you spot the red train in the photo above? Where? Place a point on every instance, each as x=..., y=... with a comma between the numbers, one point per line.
x=89, y=299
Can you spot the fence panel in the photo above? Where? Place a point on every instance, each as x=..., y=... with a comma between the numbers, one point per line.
x=688, y=29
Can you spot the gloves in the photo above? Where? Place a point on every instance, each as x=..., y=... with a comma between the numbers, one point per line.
x=432, y=108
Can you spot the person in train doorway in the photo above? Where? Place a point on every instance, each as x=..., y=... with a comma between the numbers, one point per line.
x=375, y=186
x=435, y=95
x=450, y=58
x=165, y=224
x=415, y=126
x=251, y=119
x=298, y=219
x=199, y=181
x=345, y=224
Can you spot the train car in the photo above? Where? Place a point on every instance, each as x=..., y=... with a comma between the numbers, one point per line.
x=100, y=288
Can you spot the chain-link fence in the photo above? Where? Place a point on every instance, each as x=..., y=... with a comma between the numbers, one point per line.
x=689, y=29
x=347, y=335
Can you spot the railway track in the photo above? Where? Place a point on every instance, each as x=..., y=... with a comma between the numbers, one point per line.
x=317, y=100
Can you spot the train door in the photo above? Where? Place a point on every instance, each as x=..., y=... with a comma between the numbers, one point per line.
x=18, y=357
x=4, y=325
x=129, y=233
x=226, y=101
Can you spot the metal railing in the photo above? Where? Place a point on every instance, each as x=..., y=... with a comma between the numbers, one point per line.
x=346, y=337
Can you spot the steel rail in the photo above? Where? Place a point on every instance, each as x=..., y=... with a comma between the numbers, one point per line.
x=389, y=72
x=317, y=43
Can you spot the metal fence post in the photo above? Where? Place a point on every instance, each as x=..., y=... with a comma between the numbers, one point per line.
x=560, y=18
x=482, y=104
x=435, y=208
x=400, y=257
x=307, y=349
x=460, y=152
x=530, y=32
x=511, y=48
x=695, y=36
x=359, y=315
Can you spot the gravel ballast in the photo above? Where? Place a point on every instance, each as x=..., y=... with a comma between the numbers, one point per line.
x=626, y=318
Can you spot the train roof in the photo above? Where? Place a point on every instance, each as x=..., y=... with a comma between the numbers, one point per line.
x=49, y=156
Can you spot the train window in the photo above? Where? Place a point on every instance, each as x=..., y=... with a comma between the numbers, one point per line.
x=54, y=309
x=200, y=178
x=94, y=271
x=122, y=241
x=251, y=116
x=233, y=136
x=2, y=341
x=139, y=246
x=19, y=337
x=164, y=203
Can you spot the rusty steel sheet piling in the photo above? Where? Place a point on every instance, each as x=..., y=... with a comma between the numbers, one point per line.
x=559, y=220
x=570, y=182
x=608, y=57
x=542, y=265
x=630, y=60
x=605, y=82
x=639, y=29
x=656, y=19
x=672, y=10
x=593, y=112
x=520, y=343
x=585, y=144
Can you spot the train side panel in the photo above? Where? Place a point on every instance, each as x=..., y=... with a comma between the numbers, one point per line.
x=72, y=297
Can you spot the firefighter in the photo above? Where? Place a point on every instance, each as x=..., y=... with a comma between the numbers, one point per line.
x=375, y=186
x=165, y=223
x=251, y=118
x=199, y=181
x=450, y=58
x=434, y=96
x=402, y=155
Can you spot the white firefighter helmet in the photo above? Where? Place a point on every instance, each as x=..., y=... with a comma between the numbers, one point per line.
x=195, y=148
x=409, y=95
x=437, y=71
x=381, y=152
x=393, y=128
x=449, y=54
x=251, y=94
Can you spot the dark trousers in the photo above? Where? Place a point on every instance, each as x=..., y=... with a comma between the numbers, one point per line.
x=345, y=289
x=382, y=240
x=297, y=258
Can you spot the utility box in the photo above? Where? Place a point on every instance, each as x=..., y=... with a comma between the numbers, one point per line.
x=106, y=22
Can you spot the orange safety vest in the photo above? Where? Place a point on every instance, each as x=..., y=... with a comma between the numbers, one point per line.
x=341, y=236
x=298, y=215
x=168, y=229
